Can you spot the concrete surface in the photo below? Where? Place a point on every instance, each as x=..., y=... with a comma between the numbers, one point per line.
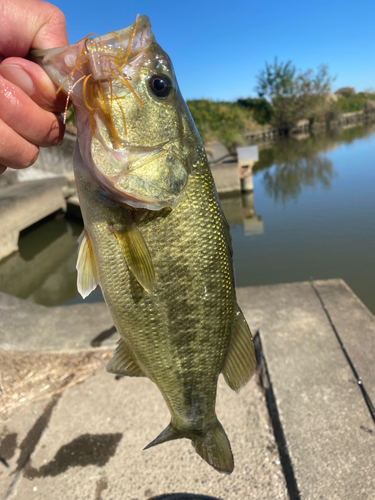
x=356, y=327
x=218, y=153
x=224, y=168
x=24, y=204
x=18, y=435
x=328, y=430
x=313, y=433
x=29, y=327
x=226, y=177
x=52, y=162
x=97, y=432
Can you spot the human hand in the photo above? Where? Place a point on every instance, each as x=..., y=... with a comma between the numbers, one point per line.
x=29, y=106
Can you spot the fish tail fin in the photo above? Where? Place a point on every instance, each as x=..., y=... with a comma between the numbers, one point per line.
x=214, y=447
x=168, y=434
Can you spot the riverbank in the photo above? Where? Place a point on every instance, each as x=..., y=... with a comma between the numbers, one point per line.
x=249, y=120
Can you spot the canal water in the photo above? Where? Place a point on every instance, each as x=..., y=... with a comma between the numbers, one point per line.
x=311, y=215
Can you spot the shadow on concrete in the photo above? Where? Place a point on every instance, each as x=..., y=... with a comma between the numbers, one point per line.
x=88, y=449
x=273, y=412
x=106, y=334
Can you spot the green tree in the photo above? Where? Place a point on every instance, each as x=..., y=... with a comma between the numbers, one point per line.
x=261, y=108
x=293, y=95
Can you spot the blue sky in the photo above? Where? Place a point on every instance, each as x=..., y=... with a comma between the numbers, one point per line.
x=218, y=48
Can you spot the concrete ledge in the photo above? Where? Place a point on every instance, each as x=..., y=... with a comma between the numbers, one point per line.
x=326, y=426
x=226, y=177
x=355, y=325
x=29, y=327
x=24, y=204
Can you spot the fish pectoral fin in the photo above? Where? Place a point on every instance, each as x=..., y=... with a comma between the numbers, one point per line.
x=87, y=276
x=240, y=362
x=136, y=254
x=124, y=362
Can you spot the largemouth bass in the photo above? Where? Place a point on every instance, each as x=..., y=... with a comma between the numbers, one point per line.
x=155, y=238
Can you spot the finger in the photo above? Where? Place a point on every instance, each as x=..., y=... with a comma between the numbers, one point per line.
x=50, y=22
x=34, y=81
x=29, y=120
x=30, y=25
x=15, y=151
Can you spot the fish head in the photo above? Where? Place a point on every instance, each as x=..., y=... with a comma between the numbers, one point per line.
x=136, y=137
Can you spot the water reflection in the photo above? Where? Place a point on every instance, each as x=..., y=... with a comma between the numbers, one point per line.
x=43, y=270
x=240, y=210
x=286, y=180
x=289, y=165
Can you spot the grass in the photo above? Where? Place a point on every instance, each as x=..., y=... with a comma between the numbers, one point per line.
x=226, y=122
x=29, y=377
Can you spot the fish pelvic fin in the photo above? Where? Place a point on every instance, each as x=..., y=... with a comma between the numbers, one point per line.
x=136, y=253
x=87, y=279
x=124, y=362
x=240, y=362
x=211, y=444
x=214, y=447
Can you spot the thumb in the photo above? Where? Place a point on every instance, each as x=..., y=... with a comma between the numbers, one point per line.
x=35, y=82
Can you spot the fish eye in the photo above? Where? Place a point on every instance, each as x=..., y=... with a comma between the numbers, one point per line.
x=160, y=85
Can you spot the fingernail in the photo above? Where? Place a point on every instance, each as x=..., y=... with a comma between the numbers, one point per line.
x=16, y=75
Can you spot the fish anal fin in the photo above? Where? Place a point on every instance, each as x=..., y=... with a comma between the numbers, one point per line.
x=87, y=279
x=124, y=362
x=136, y=254
x=240, y=361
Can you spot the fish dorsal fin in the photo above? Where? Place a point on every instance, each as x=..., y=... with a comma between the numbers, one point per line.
x=136, y=253
x=240, y=362
x=87, y=277
x=124, y=362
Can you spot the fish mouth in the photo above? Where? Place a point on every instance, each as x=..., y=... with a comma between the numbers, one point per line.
x=64, y=65
x=142, y=38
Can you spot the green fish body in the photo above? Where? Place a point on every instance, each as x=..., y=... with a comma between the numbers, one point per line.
x=155, y=237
